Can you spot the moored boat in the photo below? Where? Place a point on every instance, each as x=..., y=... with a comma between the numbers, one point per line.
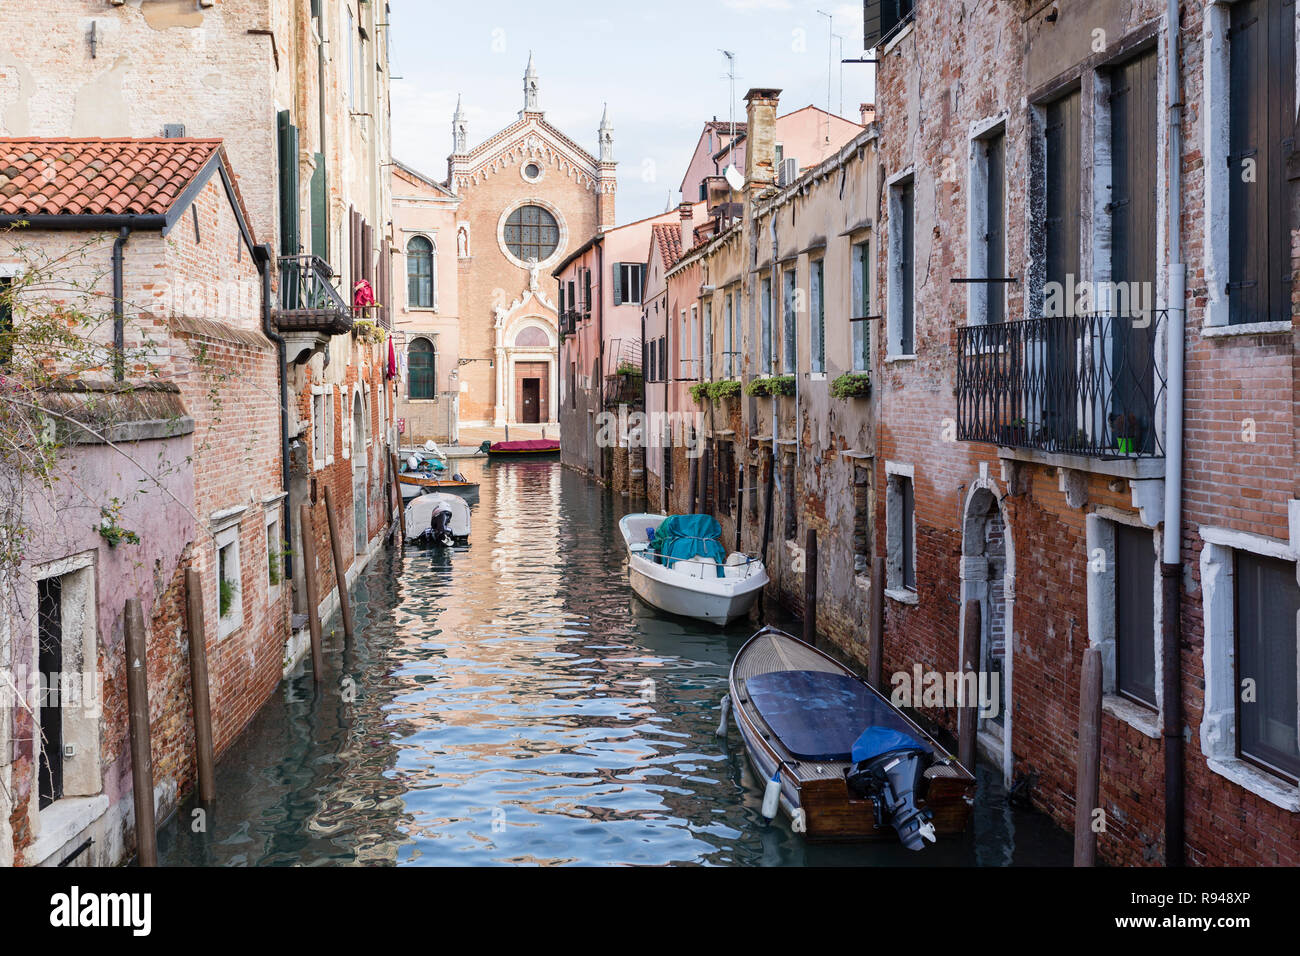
x=840, y=760
x=537, y=447
x=414, y=484
x=438, y=519
x=678, y=564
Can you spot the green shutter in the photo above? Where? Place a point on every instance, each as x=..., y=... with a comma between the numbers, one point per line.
x=320, y=226
x=288, y=154
x=618, y=283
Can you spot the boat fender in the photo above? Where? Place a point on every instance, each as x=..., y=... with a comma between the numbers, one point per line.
x=772, y=796
x=722, y=724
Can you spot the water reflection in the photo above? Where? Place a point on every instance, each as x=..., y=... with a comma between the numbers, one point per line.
x=514, y=703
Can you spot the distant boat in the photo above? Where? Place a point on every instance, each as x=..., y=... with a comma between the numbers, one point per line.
x=685, y=570
x=839, y=758
x=535, y=448
x=438, y=519
x=415, y=484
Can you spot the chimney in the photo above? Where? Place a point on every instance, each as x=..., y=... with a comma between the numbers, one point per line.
x=868, y=111
x=687, y=212
x=760, y=146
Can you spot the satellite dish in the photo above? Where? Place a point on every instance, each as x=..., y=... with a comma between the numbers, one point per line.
x=734, y=179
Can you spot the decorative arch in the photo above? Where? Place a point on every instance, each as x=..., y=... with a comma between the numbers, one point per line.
x=988, y=577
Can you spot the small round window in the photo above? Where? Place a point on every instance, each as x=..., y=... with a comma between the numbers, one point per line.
x=532, y=172
x=532, y=233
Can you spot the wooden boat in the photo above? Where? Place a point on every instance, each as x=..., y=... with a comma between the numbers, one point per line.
x=805, y=717
x=438, y=519
x=690, y=585
x=535, y=448
x=415, y=484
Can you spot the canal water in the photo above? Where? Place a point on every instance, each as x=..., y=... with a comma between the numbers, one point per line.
x=514, y=703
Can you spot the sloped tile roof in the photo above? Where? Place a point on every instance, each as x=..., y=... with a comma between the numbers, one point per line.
x=97, y=177
x=669, y=238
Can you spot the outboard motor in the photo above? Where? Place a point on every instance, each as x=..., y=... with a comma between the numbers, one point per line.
x=888, y=768
x=439, y=530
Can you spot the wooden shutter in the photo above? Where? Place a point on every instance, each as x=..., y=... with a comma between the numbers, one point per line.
x=320, y=215
x=1135, y=636
x=287, y=138
x=995, y=243
x=1062, y=189
x=618, y=283
x=907, y=241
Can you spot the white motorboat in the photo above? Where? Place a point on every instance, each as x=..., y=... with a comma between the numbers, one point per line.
x=438, y=519
x=694, y=584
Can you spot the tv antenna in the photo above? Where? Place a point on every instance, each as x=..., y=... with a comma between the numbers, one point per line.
x=733, y=175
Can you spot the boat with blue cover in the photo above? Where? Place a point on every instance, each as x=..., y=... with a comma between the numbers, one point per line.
x=678, y=564
x=838, y=758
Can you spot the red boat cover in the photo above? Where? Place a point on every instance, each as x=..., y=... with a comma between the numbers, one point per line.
x=536, y=445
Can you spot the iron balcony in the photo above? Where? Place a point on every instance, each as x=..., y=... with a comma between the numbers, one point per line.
x=1090, y=385
x=308, y=300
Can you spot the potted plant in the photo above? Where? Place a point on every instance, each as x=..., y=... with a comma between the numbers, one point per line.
x=727, y=388
x=700, y=392
x=758, y=387
x=852, y=385
x=782, y=385
x=1014, y=434
x=1127, y=429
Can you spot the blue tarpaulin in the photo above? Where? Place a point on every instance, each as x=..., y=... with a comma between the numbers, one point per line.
x=882, y=740
x=819, y=715
x=683, y=536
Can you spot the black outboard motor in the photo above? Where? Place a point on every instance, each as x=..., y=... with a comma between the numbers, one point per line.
x=439, y=530
x=888, y=768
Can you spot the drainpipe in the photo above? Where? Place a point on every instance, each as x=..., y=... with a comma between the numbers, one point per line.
x=119, y=322
x=1171, y=565
x=266, y=265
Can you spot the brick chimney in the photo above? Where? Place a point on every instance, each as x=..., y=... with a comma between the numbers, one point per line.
x=760, y=145
x=868, y=111
x=687, y=212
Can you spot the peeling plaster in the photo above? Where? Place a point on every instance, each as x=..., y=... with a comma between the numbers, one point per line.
x=100, y=106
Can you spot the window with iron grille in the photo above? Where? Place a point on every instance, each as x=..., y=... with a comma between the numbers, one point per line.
x=419, y=273
x=531, y=233
x=1261, y=117
x=422, y=369
x=1267, y=600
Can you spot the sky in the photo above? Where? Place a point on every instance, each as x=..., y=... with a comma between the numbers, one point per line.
x=657, y=65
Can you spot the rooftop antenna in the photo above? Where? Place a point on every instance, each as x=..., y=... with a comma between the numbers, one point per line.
x=840, y=38
x=830, y=69
x=734, y=178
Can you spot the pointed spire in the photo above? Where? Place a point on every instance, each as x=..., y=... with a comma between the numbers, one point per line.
x=531, y=92
x=606, y=137
x=460, y=127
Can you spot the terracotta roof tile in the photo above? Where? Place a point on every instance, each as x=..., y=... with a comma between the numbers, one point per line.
x=112, y=177
x=669, y=238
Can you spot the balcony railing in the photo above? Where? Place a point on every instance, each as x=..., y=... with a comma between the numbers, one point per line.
x=569, y=321
x=308, y=300
x=1088, y=385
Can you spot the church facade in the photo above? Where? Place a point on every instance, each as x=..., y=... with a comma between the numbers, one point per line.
x=525, y=198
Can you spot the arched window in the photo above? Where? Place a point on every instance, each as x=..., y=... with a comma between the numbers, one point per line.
x=419, y=273
x=422, y=369
x=532, y=337
x=532, y=233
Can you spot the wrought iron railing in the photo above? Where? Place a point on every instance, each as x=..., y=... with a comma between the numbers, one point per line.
x=308, y=300
x=569, y=321
x=1089, y=385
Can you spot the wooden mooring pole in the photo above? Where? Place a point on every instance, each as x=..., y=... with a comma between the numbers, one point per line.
x=199, y=692
x=397, y=490
x=137, y=696
x=810, y=588
x=1088, y=773
x=971, y=639
x=340, y=572
x=313, y=596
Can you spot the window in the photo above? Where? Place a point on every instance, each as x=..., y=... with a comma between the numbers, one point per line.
x=725, y=473
x=230, y=602
x=532, y=234
x=628, y=279
x=765, y=308
x=862, y=511
x=694, y=371
x=861, y=307
x=663, y=358
x=532, y=172
x=652, y=371
x=818, y=331
x=421, y=369
x=900, y=514
x=708, y=341
x=6, y=320
x=1261, y=117
x=902, y=270
x=1135, y=638
x=274, y=550
x=994, y=245
x=882, y=19
x=586, y=291
x=49, y=593
x=419, y=273
x=1267, y=602
x=734, y=335
x=728, y=344
x=789, y=497
x=789, y=302
x=1061, y=222
x=352, y=61
x=318, y=440
x=684, y=351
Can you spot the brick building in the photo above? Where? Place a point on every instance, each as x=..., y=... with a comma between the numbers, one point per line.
x=297, y=93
